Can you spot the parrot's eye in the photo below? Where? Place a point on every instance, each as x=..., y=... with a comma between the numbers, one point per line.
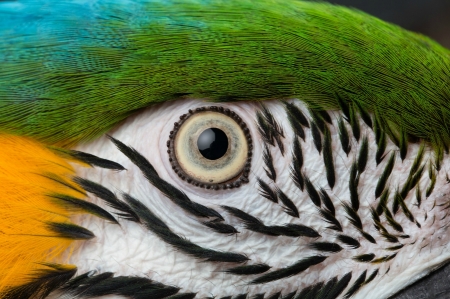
x=211, y=147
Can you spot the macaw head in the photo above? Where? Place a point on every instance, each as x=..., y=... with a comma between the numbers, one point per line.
x=231, y=149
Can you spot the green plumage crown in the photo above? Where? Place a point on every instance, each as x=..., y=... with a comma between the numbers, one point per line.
x=73, y=71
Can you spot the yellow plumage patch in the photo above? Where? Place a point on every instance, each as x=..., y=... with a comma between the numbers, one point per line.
x=29, y=172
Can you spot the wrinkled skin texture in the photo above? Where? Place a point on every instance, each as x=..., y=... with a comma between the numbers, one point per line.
x=133, y=250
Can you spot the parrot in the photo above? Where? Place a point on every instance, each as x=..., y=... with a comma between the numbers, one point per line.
x=234, y=149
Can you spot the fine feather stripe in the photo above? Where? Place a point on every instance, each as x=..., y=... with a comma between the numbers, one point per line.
x=105, y=284
x=254, y=224
x=157, y=226
x=289, y=206
x=328, y=159
x=109, y=198
x=317, y=138
x=88, y=159
x=385, y=176
x=356, y=285
x=266, y=191
x=343, y=136
x=76, y=204
x=219, y=227
x=268, y=161
x=249, y=269
x=295, y=269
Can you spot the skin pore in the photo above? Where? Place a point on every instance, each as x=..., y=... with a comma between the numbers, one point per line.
x=397, y=259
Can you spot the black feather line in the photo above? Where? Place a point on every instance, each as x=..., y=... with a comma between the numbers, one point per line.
x=183, y=296
x=258, y=296
x=331, y=219
x=266, y=191
x=268, y=116
x=326, y=200
x=317, y=138
x=364, y=115
x=430, y=187
x=385, y=176
x=249, y=269
x=268, y=161
x=175, y=195
x=382, y=204
x=296, y=166
x=298, y=177
x=326, y=289
x=349, y=241
x=403, y=144
x=296, y=113
x=89, y=159
x=353, y=186
x=61, y=181
x=131, y=287
x=364, y=258
x=381, y=148
x=310, y=292
x=368, y=237
x=42, y=283
x=405, y=209
x=418, y=196
x=264, y=129
x=372, y=276
x=352, y=216
x=389, y=237
x=158, y=227
x=70, y=231
x=412, y=181
x=354, y=123
x=384, y=259
x=328, y=159
x=395, y=248
x=276, y=131
x=289, y=271
x=296, y=126
x=339, y=287
x=418, y=160
x=326, y=247
x=391, y=221
x=312, y=192
x=289, y=206
x=297, y=154
x=356, y=285
x=108, y=197
x=344, y=105
x=343, y=137
x=219, y=227
x=240, y=296
x=75, y=204
x=256, y=225
x=317, y=120
x=363, y=155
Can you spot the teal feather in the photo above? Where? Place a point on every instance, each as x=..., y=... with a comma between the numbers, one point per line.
x=70, y=70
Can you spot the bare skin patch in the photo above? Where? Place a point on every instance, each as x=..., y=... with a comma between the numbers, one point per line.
x=361, y=213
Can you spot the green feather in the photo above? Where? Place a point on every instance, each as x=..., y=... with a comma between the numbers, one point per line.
x=78, y=74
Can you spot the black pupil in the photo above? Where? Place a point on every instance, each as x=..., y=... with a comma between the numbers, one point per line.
x=212, y=143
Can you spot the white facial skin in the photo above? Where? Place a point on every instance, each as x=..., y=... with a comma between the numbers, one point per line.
x=133, y=250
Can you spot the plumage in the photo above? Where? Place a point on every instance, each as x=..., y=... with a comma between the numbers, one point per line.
x=124, y=57
x=73, y=70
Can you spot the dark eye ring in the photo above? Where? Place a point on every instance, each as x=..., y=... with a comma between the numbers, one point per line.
x=211, y=147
